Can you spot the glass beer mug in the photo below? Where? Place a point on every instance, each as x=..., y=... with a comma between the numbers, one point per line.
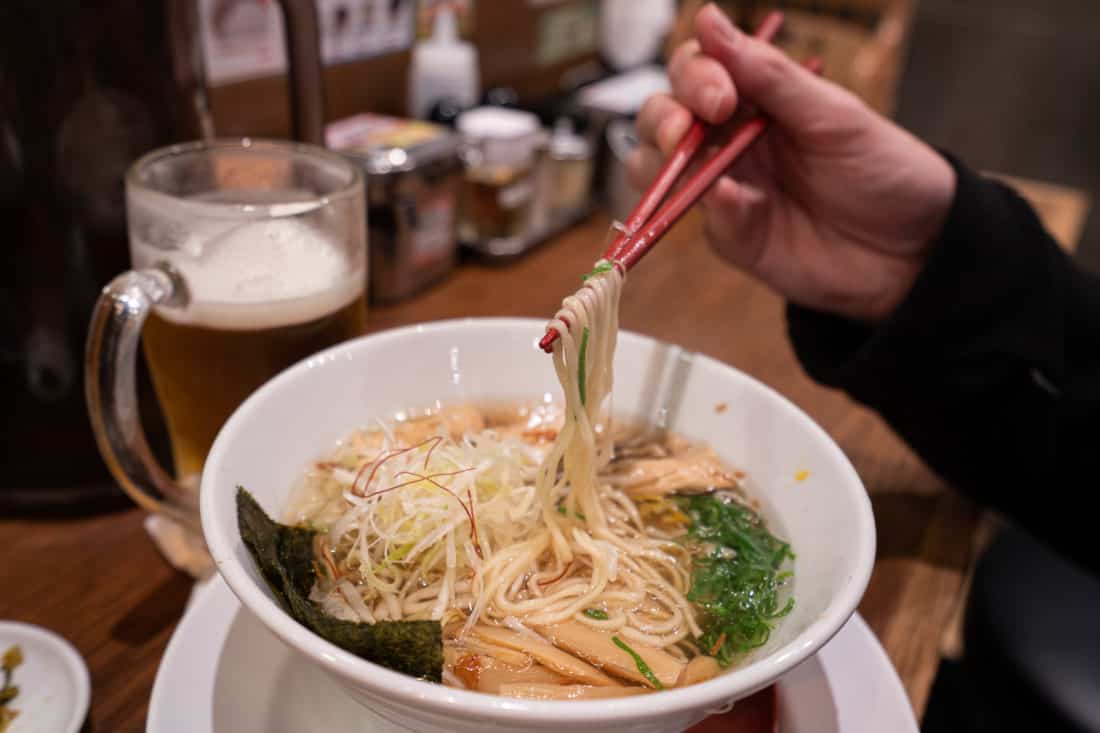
x=247, y=256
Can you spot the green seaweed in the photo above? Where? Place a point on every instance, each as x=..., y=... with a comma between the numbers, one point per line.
x=736, y=577
x=284, y=557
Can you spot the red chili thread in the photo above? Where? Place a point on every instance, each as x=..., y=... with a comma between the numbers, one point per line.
x=382, y=458
x=468, y=509
x=560, y=575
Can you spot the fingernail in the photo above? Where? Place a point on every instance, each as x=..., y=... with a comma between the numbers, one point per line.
x=726, y=30
x=711, y=101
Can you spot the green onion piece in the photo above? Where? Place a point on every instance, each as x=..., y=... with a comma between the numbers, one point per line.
x=596, y=614
x=597, y=270
x=643, y=668
x=580, y=366
x=735, y=585
x=399, y=554
x=578, y=515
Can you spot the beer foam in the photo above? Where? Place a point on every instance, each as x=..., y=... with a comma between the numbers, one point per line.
x=257, y=274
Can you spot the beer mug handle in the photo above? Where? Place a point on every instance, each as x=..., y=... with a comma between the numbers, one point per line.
x=110, y=384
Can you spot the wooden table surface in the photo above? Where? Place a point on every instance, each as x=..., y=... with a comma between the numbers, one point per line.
x=101, y=583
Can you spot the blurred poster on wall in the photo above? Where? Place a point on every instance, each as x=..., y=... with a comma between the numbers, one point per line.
x=357, y=29
x=567, y=30
x=243, y=39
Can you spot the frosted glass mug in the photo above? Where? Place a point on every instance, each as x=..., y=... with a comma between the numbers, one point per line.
x=247, y=256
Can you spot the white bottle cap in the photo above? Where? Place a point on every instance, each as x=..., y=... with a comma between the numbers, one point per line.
x=443, y=67
x=503, y=136
x=496, y=122
x=444, y=26
x=566, y=143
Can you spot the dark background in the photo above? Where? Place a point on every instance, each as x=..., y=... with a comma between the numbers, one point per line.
x=1011, y=86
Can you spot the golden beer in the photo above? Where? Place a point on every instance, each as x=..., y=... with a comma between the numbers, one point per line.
x=262, y=295
x=202, y=373
x=247, y=256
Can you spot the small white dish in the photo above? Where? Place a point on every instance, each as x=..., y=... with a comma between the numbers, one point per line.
x=223, y=672
x=54, y=687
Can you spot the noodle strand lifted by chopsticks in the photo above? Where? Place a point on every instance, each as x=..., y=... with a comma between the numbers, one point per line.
x=555, y=539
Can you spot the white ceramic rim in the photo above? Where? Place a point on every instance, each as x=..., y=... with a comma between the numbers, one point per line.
x=72, y=661
x=436, y=698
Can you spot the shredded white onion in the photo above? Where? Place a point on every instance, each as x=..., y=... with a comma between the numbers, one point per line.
x=490, y=529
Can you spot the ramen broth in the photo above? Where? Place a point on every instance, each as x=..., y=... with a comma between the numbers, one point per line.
x=435, y=516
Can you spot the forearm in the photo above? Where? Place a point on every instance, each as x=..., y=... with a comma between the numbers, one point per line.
x=972, y=368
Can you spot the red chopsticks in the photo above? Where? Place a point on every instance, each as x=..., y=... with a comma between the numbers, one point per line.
x=680, y=157
x=643, y=231
x=637, y=242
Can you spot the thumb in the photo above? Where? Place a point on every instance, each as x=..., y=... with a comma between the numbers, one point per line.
x=764, y=75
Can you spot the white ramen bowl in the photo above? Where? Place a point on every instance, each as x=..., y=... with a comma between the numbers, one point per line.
x=810, y=494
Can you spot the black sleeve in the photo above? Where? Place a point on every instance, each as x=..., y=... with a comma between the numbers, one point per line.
x=990, y=369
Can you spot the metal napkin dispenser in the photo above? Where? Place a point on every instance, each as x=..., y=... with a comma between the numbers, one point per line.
x=413, y=172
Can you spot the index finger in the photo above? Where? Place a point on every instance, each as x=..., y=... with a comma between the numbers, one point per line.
x=702, y=84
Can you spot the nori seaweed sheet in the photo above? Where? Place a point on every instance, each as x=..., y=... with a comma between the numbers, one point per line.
x=284, y=556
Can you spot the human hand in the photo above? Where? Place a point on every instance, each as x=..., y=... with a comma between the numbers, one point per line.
x=835, y=207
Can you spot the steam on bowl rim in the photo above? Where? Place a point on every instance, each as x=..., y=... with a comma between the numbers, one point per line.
x=227, y=552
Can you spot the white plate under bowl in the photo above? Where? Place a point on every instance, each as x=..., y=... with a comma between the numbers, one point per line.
x=224, y=672
x=53, y=681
